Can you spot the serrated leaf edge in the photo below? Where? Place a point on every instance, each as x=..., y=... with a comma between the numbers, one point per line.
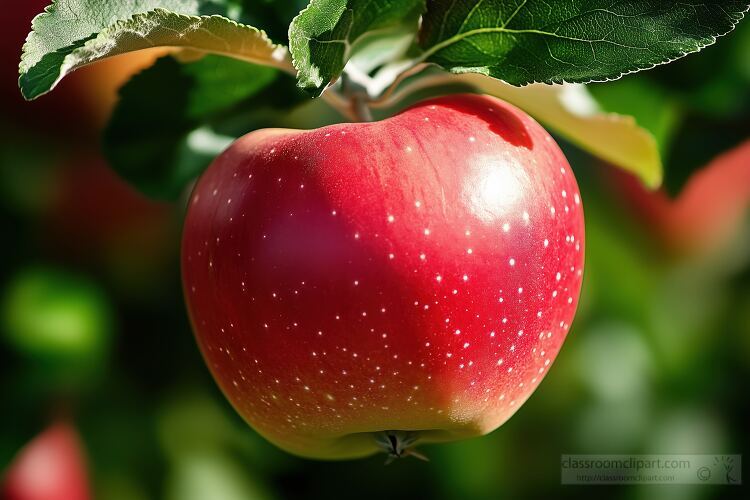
x=279, y=53
x=311, y=79
x=487, y=70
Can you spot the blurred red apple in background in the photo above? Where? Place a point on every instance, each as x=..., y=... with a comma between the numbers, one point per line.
x=88, y=213
x=705, y=215
x=96, y=217
x=51, y=467
x=377, y=285
x=93, y=206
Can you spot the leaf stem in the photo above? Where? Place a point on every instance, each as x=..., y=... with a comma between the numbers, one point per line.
x=360, y=107
x=358, y=99
x=340, y=104
x=385, y=97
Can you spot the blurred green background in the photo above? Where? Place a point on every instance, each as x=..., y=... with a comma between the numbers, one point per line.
x=93, y=328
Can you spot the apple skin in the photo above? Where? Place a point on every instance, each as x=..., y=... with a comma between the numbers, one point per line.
x=50, y=467
x=415, y=274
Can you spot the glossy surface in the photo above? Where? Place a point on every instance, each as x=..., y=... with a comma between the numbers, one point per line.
x=418, y=273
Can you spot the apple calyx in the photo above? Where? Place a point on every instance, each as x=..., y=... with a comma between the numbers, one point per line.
x=399, y=444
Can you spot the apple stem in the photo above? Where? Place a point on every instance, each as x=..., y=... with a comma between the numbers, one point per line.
x=398, y=444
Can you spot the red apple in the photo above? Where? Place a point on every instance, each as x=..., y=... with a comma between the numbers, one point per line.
x=706, y=214
x=50, y=467
x=382, y=284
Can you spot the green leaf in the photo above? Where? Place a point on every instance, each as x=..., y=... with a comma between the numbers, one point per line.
x=697, y=108
x=381, y=48
x=527, y=41
x=193, y=110
x=73, y=33
x=323, y=37
x=273, y=15
x=160, y=136
x=652, y=107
